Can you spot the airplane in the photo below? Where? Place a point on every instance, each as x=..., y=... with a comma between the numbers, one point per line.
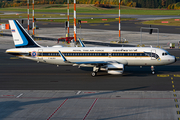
x=111, y=59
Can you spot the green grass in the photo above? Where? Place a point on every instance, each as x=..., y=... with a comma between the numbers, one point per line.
x=49, y=16
x=56, y=6
x=171, y=22
x=24, y=15
x=89, y=8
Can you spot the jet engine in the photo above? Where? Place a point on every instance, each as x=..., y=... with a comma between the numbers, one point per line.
x=115, y=69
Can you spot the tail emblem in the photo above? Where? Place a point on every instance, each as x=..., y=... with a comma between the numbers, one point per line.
x=13, y=30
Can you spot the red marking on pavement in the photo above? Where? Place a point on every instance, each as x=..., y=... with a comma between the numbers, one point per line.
x=83, y=21
x=90, y=108
x=8, y=95
x=83, y=98
x=104, y=19
x=57, y=109
x=164, y=21
x=176, y=19
x=89, y=92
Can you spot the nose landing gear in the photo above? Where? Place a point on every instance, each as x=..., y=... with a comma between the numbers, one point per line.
x=152, y=70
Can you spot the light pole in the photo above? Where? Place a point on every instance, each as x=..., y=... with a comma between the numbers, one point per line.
x=119, y=20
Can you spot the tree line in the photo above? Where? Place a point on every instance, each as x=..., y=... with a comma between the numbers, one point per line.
x=154, y=3
x=169, y=4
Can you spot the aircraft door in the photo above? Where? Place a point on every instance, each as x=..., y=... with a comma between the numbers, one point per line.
x=40, y=54
x=153, y=54
x=109, y=55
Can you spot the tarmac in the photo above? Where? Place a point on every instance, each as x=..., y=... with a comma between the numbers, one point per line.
x=105, y=36
x=88, y=104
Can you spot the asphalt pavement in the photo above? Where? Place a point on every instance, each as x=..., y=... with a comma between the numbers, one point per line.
x=21, y=74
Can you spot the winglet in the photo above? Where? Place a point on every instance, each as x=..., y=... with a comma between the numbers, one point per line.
x=62, y=55
x=82, y=44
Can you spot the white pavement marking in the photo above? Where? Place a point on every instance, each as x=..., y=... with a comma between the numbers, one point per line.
x=19, y=95
x=78, y=92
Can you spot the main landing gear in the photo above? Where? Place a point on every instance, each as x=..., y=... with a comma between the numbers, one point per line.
x=95, y=70
x=152, y=70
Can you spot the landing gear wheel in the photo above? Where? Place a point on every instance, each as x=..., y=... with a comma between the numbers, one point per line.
x=152, y=69
x=93, y=74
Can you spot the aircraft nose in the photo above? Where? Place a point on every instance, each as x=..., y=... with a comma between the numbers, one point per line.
x=172, y=59
x=175, y=59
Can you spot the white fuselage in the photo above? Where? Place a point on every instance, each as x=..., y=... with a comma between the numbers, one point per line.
x=131, y=56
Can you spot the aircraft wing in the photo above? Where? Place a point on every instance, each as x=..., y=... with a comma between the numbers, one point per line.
x=92, y=62
x=87, y=62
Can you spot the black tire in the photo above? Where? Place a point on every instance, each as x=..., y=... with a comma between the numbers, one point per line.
x=93, y=74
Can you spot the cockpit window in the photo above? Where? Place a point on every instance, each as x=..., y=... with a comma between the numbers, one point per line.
x=165, y=53
x=168, y=53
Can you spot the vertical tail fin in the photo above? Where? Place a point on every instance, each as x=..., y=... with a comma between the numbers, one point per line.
x=21, y=38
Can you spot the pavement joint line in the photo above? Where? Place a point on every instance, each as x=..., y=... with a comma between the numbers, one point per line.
x=57, y=109
x=90, y=109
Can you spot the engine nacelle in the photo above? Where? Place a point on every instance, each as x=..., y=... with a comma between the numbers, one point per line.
x=115, y=69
